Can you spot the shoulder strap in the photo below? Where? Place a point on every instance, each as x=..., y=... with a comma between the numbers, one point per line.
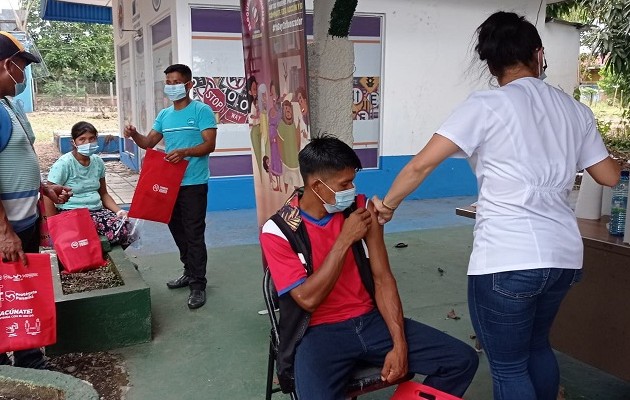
x=298, y=239
x=360, y=256
x=6, y=127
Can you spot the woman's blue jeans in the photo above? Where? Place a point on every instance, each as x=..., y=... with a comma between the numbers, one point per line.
x=327, y=354
x=512, y=313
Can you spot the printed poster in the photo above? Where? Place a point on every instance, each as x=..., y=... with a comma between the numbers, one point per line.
x=274, y=48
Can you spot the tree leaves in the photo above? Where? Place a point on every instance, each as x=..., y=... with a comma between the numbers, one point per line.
x=74, y=50
x=611, y=27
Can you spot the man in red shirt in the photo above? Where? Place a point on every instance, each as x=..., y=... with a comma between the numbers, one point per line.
x=350, y=318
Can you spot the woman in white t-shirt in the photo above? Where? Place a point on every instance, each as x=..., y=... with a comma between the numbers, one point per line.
x=525, y=141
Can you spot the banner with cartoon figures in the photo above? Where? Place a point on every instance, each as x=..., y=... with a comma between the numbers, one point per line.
x=274, y=47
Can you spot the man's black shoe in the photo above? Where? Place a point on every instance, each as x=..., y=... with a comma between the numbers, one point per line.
x=196, y=299
x=180, y=282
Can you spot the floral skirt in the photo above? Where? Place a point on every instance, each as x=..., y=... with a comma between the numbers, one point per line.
x=109, y=225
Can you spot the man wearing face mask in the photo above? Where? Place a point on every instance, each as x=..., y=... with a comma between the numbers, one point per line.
x=20, y=184
x=344, y=290
x=189, y=131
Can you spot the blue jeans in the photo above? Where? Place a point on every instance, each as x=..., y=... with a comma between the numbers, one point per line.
x=327, y=354
x=512, y=313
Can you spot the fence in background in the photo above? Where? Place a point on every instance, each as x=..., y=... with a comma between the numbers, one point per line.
x=75, y=95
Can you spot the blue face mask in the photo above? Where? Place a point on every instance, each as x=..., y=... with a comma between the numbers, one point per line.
x=19, y=87
x=175, y=92
x=343, y=199
x=87, y=149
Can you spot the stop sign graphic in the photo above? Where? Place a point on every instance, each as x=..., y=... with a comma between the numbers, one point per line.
x=215, y=98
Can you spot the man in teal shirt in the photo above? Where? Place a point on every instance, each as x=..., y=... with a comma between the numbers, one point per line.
x=189, y=131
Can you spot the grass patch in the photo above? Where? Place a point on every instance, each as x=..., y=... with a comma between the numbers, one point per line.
x=46, y=123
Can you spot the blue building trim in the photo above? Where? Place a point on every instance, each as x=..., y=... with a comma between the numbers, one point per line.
x=234, y=193
x=54, y=10
x=452, y=178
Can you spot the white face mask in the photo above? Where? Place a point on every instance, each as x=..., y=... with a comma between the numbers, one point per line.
x=542, y=65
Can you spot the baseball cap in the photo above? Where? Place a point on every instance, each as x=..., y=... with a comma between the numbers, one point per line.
x=10, y=46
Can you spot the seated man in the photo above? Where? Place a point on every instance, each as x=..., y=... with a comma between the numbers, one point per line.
x=347, y=301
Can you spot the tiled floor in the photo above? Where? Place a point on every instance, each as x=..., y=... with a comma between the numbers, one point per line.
x=121, y=187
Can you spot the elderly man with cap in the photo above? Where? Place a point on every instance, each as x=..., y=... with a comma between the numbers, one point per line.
x=20, y=183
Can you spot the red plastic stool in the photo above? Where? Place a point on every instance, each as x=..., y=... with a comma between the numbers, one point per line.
x=414, y=391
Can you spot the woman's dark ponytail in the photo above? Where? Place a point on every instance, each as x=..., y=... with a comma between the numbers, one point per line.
x=506, y=39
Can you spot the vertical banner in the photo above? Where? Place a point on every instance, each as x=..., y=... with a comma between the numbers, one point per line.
x=274, y=49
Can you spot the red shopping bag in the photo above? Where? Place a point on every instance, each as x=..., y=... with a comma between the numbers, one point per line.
x=27, y=304
x=75, y=240
x=157, y=189
x=416, y=391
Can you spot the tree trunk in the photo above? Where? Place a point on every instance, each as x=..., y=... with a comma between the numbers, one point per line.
x=331, y=68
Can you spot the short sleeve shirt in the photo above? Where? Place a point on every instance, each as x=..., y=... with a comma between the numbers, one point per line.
x=348, y=299
x=525, y=141
x=19, y=170
x=85, y=182
x=182, y=129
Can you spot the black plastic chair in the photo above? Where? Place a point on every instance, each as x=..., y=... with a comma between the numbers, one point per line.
x=365, y=378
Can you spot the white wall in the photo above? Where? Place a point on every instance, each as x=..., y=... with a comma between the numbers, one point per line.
x=429, y=63
x=147, y=17
x=562, y=50
x=428, y=56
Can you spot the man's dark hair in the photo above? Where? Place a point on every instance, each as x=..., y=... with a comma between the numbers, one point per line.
x=327, y=155
x=506, y=39
x=184, y=70
x=80, y=128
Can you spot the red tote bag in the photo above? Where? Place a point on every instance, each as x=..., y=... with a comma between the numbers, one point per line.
x=157, y=189
x=27, y=304
x=75, y=240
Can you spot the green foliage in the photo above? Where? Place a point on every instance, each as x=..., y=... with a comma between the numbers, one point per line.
x=73, y=50
x=616, y=135
x=341, y=17
x=614, y=85
x=618, y=140
x=62, y=89
x=611, y=28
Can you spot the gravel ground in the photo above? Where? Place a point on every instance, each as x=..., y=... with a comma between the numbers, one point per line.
x=99, y=278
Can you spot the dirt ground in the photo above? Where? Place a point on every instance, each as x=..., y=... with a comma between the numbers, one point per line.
x=105, y=371
x=45, y=124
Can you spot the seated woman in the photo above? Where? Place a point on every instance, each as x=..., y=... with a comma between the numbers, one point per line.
x=84, y=172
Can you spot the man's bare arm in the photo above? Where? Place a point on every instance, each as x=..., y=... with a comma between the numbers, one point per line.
x=387, y=301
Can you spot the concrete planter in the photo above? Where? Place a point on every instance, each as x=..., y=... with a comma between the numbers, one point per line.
x=103, y=319
x=26, y=383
